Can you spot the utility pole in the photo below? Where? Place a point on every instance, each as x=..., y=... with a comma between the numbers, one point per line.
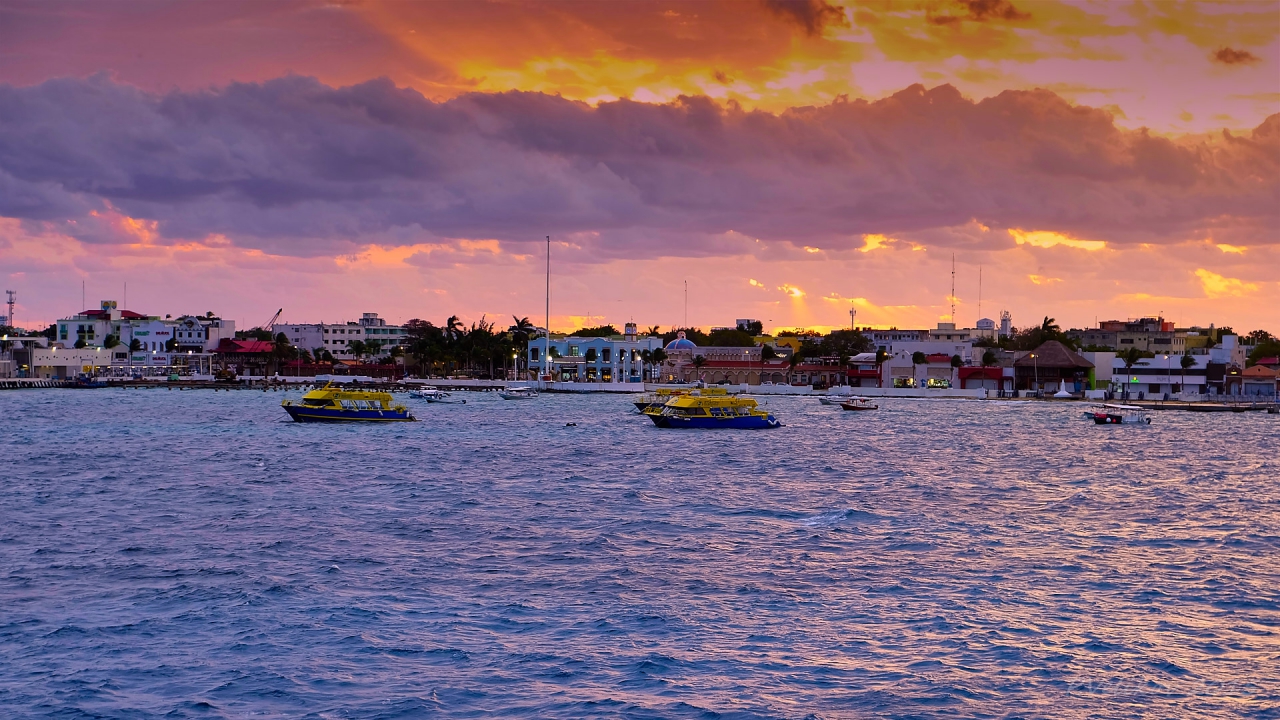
x=853, y=313
x=686, y=303
x=979, y=292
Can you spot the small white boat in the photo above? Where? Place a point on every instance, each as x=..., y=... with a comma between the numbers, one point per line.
x=1108, y=414
x=859, y=403
x=830, y=400
x=518, y=393
x=435, y=395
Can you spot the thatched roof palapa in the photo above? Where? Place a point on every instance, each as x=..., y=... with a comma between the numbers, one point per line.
x=1053, y=354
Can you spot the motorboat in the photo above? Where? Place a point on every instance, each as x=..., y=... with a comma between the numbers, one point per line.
x=662, y=395
x=830, y=400
x=712, y=410
x=85, y=381
x=334, y=404
x=435, y=395
x=1109, y=414
x=518, y=393
x=859, y=403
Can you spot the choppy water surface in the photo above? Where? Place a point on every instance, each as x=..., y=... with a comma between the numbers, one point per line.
x=193, y=554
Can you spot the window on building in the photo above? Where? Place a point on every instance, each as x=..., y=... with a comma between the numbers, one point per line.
x=606, y=354
x=533, y=354
x=573, y=351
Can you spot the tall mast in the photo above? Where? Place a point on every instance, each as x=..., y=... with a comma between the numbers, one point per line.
x=686, y=303
x=546, y=345
x=979, y=292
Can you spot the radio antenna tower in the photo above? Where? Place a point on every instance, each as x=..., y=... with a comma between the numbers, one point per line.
x=953, y=287
x=13, y=296
x=979, y=292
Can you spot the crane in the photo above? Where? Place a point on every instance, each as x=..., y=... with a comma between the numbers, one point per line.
x=270, y=323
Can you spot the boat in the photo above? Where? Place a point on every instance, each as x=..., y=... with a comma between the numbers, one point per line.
x=434, y=395
x=712, y=410
x=859, y=403
x=518, y=393
x=662, y=395
x=84, y=381
x=334, y=404
x=1108, y=414
x=830, y=400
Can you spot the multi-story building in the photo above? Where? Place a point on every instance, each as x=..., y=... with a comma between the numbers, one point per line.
x=192, y=333
x=594, y=359
x=338, y=337
x=884, y=339
x=1148, y=334
x=377, y=330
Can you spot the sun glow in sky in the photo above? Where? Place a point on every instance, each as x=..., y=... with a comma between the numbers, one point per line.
x=1094, y=159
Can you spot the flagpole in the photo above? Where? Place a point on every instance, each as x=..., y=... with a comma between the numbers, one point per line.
x=546, y=347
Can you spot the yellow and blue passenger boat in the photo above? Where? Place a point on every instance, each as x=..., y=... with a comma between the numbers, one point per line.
x=335, y=404
x=696, y=410
x=662, y=395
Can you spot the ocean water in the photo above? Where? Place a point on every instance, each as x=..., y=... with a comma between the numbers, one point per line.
x=191, y=554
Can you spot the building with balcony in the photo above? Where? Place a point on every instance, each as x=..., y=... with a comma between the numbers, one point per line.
x=594, y=359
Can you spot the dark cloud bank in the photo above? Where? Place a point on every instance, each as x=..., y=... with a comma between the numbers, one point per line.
x=294, y=166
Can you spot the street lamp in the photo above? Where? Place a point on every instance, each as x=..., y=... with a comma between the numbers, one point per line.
x=1035, y=364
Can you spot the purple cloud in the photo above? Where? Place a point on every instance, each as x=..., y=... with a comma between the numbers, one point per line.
x=296, y=167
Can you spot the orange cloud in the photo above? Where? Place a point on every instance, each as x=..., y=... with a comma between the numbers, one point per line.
x=1048, y=239
x=1217, y=286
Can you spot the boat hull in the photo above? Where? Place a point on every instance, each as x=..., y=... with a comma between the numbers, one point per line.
x=1101, y=419
x=848, y=406
x=741, y=422
x=302, y=413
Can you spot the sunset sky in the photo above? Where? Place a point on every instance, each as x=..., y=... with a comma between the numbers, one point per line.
x=790, y=160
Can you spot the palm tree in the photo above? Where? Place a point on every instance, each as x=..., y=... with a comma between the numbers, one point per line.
x=521, y=334
x=792, y=362
x=699, y=362
x=357, y=348
x=1186, y=362
x=881, y=357
x=917, y=358
x=989, y=358
x=658, y=357
x=956, y=362
x=654, y=331
x=646, y=357
x=1131, y=355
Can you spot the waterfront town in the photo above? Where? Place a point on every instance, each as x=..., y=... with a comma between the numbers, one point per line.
x=1138, y=358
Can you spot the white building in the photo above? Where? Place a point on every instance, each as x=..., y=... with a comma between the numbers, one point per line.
x=338, y=337
x=595, y=359
x=1161, y=374
x=193, y=333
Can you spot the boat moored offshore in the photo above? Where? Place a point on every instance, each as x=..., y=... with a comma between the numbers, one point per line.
x=518, y=393
x=716, y=410
x=660, y=396
x=1109, y=414
x=435, y=395
x=859, y=403
x=335, y=404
